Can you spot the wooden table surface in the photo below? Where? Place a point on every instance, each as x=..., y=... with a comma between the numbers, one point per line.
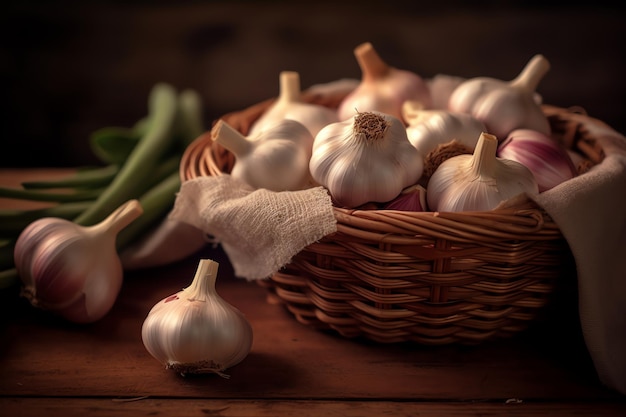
x=52, y=368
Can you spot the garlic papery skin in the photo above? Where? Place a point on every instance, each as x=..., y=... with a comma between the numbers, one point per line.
x=478, y=182
x=504, y=106
x=546, y=158
x=276, y=158
x=367, y=158
x=289, y=105
x=428, y=129
x=383, y=88
x=441, y=87
x=412, y=198
x=195, y=330
x=73, y=270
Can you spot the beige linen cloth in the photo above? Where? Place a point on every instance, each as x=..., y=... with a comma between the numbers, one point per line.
x=590, y=210
x=259, y=230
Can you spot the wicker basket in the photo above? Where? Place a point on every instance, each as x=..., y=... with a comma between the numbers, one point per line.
x=431, y=278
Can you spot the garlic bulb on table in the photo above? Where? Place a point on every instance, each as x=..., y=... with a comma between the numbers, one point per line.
x=383, y=88
x=276, y=158
x=196, y=330
x=73, y=270
x=478, y=182
x=504, y=106
x=428, y=129
x=367, y=158
x=289, y=105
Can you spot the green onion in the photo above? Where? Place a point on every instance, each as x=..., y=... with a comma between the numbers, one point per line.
x=83, y=178
x=8, y=278
x=6, y=253
x=143, y=163
x=156, y=203
x=143, y=159
x=112, y=145
x=190, y=116
x=77, y=195
x=12, y=222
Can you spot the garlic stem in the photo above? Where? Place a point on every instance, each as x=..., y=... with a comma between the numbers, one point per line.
x=484, y=162
x=532, y=74
x=372, y=66
x=230, y=138
x=203, y=282
x=413, y=112
x=119, y=218
x=289, y=87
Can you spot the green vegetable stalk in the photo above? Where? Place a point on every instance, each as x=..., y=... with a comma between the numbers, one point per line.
x=141, y=163
x=142, y=160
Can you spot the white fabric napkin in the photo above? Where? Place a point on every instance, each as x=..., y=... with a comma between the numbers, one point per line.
x=590, y=211
x=259, y=230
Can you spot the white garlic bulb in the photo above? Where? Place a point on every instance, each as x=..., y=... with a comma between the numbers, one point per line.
x=366, y=158
x=383, y=88
x=195, y=330
x=275, y=158
x=428, y=129
x=290, y=105
x=504, y=106
x=478, y=182
x=70, y=269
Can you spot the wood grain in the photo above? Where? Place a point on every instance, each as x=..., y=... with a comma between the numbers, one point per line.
x=120, y=407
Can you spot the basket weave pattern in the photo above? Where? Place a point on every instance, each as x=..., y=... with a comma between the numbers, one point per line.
x=431, y=278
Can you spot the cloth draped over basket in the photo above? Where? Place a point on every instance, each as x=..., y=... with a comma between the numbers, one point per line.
x=591, y=212
x=259, y=230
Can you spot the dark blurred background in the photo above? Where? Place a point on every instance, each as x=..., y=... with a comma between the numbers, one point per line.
x=69, y=68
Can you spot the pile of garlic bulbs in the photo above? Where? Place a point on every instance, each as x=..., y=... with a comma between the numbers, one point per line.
x=382, y=146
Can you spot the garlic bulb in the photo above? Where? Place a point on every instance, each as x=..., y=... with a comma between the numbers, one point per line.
x=412, y=198
x=70, y=269
x=276, y=158
x=365, y=158
x=478, y=182
x=546, y=158
x=504, y=106
x=441, y=87
x=382, y=88
x=428, y=129
x=289, y=105
x=196, y=330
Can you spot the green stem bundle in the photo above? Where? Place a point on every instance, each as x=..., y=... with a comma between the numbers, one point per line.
x=143, y=164
x=143, y=159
